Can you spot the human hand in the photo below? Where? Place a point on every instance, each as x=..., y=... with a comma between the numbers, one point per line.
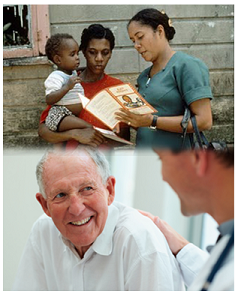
x=175, y=240
x=133, y=119
x=117, y=129
x=73, y=81
x=88, y=136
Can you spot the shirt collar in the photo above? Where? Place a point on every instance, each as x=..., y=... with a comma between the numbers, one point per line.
x=226, y=227
x=103, y=243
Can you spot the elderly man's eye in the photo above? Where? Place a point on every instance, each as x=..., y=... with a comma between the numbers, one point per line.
x=87, y=191
x=87, y=188
x=60, y=195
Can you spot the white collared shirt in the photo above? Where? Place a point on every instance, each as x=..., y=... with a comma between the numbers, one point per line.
x=196, y=264
x=224, y=278
x=191, y=260
x=130, y=254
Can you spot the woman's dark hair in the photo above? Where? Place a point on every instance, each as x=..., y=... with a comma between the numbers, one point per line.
x=55, y=44
x=96, y=31
x=153, y=17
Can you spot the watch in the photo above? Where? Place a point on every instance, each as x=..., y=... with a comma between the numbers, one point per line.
x=154, y=122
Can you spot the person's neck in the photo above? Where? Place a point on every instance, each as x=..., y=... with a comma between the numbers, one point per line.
x=225, y=211
x=89, y=77
x=161, y=62
x=65, y=71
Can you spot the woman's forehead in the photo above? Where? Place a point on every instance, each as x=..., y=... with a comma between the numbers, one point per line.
x=99, y=44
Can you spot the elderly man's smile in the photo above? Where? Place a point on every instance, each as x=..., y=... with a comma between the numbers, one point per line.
x=82, y=222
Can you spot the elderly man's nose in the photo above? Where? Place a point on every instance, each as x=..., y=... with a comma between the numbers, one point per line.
x=76, y=205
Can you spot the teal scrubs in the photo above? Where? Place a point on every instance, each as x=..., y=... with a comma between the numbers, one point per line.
x=185, y=79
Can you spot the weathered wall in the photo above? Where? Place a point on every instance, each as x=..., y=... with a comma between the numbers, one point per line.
x=204, y=31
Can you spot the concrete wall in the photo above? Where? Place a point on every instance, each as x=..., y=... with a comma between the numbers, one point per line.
x=204, y=31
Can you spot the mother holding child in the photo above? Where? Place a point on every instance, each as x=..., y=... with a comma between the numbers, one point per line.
x=73, y=124
x=173, y=81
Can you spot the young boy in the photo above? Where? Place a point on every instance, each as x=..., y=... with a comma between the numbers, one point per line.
x=63, y=88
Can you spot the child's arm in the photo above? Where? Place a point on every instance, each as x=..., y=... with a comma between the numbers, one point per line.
x=55, y=96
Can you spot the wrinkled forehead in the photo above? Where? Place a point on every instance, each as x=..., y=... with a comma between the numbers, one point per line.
x=67, y=164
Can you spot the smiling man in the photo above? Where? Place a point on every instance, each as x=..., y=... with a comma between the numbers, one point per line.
x=85, y=241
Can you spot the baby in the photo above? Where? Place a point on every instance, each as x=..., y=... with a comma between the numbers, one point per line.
x=62, y=87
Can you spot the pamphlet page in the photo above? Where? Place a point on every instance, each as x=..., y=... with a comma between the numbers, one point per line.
x=105, y=103
x=103, y=106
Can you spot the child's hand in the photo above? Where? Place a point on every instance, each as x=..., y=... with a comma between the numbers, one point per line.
x=73, y=81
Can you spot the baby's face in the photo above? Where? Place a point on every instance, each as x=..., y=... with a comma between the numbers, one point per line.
x=68, y=58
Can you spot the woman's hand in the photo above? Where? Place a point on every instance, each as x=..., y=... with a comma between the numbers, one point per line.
x=134, y=120
x=88, y=136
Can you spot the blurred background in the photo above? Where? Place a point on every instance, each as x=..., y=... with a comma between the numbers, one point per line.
x=138, y=184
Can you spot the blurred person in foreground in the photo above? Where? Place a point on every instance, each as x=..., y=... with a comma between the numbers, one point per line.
x=204, y=183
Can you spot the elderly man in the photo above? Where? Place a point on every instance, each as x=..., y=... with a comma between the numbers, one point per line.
x=204, y=184
x=87, y=242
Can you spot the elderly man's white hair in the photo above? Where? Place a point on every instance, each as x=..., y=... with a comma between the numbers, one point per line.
x=97, y=156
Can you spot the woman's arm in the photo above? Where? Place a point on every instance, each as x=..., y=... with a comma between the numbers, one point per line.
x=201, y=109
x=87, y=136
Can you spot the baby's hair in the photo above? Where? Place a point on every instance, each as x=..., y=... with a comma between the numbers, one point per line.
x=96, y=31
x=55, y=44
x=152, y=18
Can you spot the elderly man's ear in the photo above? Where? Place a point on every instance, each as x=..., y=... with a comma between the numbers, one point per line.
x=43, y=203
x=110, y=185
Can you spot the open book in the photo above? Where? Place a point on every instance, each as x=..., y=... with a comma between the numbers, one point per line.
x=106, y=102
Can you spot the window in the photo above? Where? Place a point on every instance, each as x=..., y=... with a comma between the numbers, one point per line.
x=25, y=30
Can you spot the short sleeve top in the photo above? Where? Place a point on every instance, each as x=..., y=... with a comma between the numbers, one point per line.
x=56, y=80
x=185, y=79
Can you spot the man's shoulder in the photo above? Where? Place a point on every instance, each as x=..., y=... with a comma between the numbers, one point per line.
x=132, y=225
x=130, y=217
x=43, y=225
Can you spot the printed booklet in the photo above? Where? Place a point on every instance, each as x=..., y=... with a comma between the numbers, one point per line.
x=108, y=101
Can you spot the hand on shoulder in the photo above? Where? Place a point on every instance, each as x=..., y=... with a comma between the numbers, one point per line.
x=175, y=240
